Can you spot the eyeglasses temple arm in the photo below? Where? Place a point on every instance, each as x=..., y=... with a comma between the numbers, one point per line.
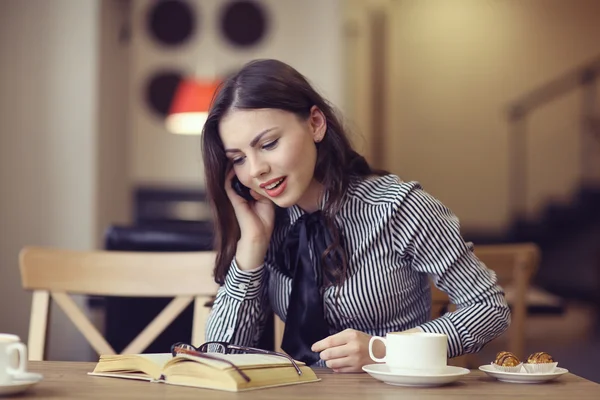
x=205, y=355
x=268, y=352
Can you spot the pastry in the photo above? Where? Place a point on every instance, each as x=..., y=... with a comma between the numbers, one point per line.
x=506, y=359
x=507, y=362
x=540, y=358
x=540, y=363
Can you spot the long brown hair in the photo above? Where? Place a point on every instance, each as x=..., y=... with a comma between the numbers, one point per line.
x=273, y=84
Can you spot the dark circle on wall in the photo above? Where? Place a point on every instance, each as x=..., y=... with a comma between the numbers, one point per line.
x=160, y=90
x=171, y=22
x=243, y=22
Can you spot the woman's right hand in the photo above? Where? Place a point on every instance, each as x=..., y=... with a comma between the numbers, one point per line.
x=256, y=220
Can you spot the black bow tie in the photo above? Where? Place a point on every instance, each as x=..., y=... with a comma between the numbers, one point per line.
x=305, y=321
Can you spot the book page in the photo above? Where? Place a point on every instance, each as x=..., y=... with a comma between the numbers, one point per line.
x=150, y=364
x=157, y=358
x=137, y=376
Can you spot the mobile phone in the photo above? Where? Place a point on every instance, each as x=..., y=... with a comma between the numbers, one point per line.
x=241, y=190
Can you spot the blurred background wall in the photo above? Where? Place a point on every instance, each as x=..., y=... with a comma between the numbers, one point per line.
x=48, y=145
x=454, y=68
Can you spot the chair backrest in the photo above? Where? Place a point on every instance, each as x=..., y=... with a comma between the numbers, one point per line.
x=55, y=273
x=514, y=265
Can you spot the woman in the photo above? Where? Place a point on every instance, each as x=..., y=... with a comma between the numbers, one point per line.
x=338, y=251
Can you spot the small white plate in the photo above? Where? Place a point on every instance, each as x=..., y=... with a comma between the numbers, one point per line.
x=20, y=383
x=414, y=378
x=522, y=377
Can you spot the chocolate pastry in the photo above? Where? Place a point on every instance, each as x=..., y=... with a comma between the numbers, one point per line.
x=540, y=358
x=506, y=359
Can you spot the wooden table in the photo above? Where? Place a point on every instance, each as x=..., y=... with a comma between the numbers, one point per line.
x=69, y=380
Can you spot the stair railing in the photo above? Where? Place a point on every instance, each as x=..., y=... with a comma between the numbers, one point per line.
x=583, y=77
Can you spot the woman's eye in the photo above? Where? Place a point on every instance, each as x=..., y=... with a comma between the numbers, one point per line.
x=237, y=161
x=270, y=145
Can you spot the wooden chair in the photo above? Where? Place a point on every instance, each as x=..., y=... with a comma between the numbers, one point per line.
x=55, y=273
x=514, y=265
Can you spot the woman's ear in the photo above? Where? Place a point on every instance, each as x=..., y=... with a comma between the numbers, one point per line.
x=317, y=123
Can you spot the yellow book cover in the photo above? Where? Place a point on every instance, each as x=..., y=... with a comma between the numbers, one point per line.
x=188, y=370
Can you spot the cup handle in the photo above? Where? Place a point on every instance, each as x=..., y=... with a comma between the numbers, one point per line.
x=371, y=341
x=22, y=350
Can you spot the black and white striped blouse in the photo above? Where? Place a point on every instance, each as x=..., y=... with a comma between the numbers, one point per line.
x=395, y=236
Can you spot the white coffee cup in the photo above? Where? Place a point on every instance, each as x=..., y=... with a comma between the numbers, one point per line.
x=421, y=351
x=11, y=346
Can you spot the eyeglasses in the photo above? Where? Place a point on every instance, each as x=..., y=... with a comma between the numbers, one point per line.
x=205, y=349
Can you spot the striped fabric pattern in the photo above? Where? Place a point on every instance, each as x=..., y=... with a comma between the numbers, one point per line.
x=396, y=237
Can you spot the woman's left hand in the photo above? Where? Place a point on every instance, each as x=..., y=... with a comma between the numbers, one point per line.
x=348, y=351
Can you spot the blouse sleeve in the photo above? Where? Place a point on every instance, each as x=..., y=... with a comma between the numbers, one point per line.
x=430, y=235
x=241, y=307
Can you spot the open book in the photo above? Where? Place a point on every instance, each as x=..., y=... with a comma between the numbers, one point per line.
x=187, y=370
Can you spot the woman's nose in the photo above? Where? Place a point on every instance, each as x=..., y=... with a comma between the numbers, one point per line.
x=258, y=167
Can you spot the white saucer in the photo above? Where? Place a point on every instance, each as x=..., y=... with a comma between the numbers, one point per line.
x=20, y=383
x=522, y=377
x=414, y=378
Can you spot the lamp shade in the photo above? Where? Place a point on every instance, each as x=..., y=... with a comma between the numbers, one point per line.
x=190, y=105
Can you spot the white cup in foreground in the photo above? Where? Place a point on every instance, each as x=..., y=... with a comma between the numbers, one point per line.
x=420, y=351
x=11, y=346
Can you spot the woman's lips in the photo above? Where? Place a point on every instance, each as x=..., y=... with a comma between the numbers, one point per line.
x=278, y=190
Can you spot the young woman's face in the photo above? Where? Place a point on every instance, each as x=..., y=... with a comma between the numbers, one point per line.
x=273, y=152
